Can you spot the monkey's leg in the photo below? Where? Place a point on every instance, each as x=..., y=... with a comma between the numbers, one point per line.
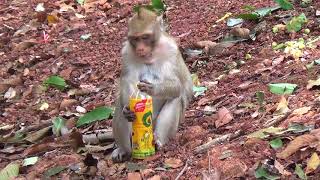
x=122, y=133
x=167, y=121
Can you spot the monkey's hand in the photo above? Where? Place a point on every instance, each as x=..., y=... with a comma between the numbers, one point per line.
x=146, y=87
x=128, y=114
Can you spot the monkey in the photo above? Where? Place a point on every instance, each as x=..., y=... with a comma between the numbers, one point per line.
x=153, y=64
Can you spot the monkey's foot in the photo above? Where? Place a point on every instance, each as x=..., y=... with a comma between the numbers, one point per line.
x=119, y=155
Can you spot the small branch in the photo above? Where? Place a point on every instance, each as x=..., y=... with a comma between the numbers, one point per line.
x=276, y=120
x=98, y=136
x=41, y=125
x=183, y=170
x=216, y=141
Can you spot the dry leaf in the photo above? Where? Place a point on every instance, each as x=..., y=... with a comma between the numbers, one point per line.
x=281, y=169
x=134, y=176
x=282, y=107
x=297, y=144
x=224, y=117
x=313, y=163
x=67, y=103
x=301, y=111
x=173, y=163
x=203, y=44
x=240, y=32
x=155, y=177
x=25, y=45
x=52, y=19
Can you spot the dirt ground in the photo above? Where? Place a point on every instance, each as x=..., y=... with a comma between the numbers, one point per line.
x=27, y=59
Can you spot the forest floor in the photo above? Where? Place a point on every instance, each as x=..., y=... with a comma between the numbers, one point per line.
x=82, y=45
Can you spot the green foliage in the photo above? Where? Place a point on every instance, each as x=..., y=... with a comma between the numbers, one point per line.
x=282, y=88
x=98, y=114
x=58, y=124
x=30, y=161
x=248, y=8
x=284, y=4
x=263, y=173
x=55, y=81
x=53, y=171
x=258, y=13
x=276, y=143
x=10, y=171
x=299, y=171
x=295, y=24
x=156, y=5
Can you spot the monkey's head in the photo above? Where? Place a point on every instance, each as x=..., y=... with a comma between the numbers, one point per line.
x=144, y=32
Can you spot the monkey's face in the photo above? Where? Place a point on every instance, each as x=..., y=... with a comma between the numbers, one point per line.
x=143, y=45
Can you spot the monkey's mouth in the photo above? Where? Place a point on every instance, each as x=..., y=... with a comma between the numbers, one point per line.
x=148, y=60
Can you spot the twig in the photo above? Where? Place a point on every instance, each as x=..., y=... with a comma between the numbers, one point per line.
x=218, y=140
x=183, y=170
x=276, y=120
x=41, y=125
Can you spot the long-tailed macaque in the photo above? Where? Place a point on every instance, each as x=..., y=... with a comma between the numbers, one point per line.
x=152, y=63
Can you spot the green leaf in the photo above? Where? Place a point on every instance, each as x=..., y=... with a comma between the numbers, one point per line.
x=266, y=11
x=295, y=24
x=263, y=173
x=9, y=172
x=199, y=90
x=285, y=4
x=299, y=128
x=263, y=133
x=234, y=21
x=56, y=81
x=260, y=97
x=276, y=143
x=248, y=8
x=30, y=161
x=299, y=171
x=58, y=124
x=81, y=2
x=98, y=114
x=136, y=8
x=282, y=88
x=158, y=4
x=53, y=171
x=249, y=16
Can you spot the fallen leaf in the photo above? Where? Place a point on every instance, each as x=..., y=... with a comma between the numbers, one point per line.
x=98, y=114
x=38, y=135
x=24, y=45
x=52, y=19
x=282, y=107
x=282, y=88
x=301, y=111
x=299, y=171
x=281, y=169
x=10, y=171
x=30, y=161
x=263, y=133
x=276, y=143
x=240, y=32
x=297, y=144
x=313, y=83
x=11, y=93
x=54, y=170
x=44, y=106
x=262, y=172
x=173, y=163
x=224, y=117
x=67, y=103
x=134, y=176
x=155, y=177
x=313, y=163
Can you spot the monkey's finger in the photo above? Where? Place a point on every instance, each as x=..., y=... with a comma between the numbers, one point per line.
x=145, y=81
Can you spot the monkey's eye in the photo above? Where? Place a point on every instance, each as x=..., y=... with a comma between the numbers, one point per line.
x=145, y=37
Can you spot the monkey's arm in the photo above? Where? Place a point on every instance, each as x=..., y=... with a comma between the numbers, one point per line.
x=165, y=89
